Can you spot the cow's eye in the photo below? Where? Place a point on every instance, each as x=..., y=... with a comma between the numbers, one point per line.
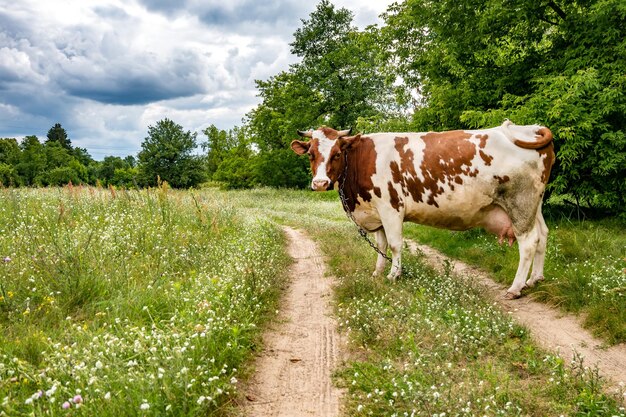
x=311, y=156
x=337, y=155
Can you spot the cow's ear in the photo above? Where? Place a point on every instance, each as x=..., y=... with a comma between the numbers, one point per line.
x=300, y=147
x=349, y=142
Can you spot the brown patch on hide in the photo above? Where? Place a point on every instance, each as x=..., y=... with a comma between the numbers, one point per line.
x=393, y=196
x=485, y=157
x=483, y=140
x=330, y=133
x=502, y=180
x=549, y=157
x=361, y=167
x=447, y=158
x=405, y=174
x=315, y=157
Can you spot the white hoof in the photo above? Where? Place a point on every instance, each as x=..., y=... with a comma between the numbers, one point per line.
x=512, y=296
x=532, y=281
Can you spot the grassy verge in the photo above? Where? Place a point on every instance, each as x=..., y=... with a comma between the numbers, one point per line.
x=130, y=303
x=585, y=267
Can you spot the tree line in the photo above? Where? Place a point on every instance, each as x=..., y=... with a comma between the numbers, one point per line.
x=450, y=64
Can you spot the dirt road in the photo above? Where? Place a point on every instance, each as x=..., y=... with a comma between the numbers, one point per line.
x=551, y=328
x=302, y=348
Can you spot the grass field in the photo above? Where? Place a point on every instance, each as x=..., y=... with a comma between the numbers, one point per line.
x=151, y=303
x=130, y=303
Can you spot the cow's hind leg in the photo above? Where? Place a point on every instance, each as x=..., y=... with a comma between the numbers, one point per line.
x=540, y=253
x=381, y=244
x=528, y=243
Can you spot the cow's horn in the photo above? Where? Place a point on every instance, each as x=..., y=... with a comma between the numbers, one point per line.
x=305, y=133
x=346, y=132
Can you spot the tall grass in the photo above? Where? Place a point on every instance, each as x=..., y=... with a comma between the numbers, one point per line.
x=130, y=303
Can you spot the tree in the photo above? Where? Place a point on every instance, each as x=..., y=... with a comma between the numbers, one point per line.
x=218, y=144
x=167, y=153
x=473, y=63
x=59, y=135
x=9, y=151
x=108, y=166
x=236, y=169
x=338, y=80
x=341, y=64
x=32, y=163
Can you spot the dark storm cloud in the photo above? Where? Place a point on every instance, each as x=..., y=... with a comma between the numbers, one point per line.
x=242, y=16
x=140, y=80
x=84, y=62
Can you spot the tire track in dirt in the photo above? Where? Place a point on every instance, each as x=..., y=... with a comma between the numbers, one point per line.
x=552, y=329
x=303, y=347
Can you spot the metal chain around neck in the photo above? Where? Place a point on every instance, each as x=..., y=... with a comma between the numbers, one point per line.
x=344, y=203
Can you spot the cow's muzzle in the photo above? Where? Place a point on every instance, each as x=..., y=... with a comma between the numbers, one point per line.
x=321, y=185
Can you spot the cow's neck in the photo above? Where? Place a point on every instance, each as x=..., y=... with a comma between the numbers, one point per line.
x=356, y=180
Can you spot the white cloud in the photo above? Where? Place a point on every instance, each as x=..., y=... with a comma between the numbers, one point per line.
x=106, y=69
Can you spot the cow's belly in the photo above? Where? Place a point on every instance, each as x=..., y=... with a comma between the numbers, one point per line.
x=455, y=211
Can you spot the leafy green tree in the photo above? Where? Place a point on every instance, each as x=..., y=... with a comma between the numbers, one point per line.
x=59, y=135
x=125, y=177
x=131, y=161
x=219, y=143
x=108, y=167
x=280, y=168
x=341, y=65
x=338, y=80
x=236, y=169
x=82, y=156
x=9, y=151
x=167, y=153
x=472, y=63
x=32, y=162
x=62, y=175
x=9, y=176
x=288, y=105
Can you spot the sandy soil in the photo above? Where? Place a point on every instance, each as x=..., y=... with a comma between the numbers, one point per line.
x=302, y=348
x=552, y=329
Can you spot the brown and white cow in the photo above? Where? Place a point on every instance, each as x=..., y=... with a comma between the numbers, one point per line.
x=492, y=178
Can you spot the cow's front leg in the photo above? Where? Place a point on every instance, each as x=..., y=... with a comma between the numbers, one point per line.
x=381, y=244
x=393, y=231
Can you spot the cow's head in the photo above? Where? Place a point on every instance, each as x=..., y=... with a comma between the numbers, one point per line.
x=325, y=151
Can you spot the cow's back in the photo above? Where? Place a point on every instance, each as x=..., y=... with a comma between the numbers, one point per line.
x=450, y=179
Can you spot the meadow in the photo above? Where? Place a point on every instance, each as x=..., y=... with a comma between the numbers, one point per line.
x=152, y=303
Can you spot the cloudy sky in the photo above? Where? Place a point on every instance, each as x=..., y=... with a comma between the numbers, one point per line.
x=107, y=69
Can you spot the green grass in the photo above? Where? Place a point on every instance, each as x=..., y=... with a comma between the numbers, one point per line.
x=130, y=303
x=151, y=302
x=585, y=267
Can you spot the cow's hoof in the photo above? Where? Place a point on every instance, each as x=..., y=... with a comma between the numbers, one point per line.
x=531, y=282
x=512, y=296
x=392, y=278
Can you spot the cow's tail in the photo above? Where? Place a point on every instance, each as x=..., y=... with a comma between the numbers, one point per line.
x=542, y=135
